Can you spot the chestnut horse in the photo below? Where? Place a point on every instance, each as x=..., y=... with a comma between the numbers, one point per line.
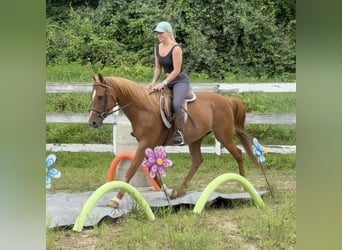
x=212, y=112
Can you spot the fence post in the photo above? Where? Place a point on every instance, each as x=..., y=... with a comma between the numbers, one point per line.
x=123, y=141
x=217, y=148
x=116, y=115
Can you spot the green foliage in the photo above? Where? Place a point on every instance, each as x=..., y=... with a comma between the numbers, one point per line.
x=75, y=72
x=273, y=134
x=268, y=102
x=71, y=72
x=78, y=133
x=68, y=103
x=256, y=45
x=248, y=38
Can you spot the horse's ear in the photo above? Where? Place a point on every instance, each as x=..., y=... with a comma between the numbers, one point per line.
x=94, y=77
x=101, y=78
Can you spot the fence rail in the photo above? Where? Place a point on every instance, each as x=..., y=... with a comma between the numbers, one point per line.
x=251, y=118
x=60, y=147
x=54, y=88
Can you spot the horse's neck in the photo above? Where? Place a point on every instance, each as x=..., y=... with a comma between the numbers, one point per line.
x=128, y=106
x=125, y=102
x=132, y=99
x=136, y=112
x=129, y=111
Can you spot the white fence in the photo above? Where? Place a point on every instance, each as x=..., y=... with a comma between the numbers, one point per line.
x=251, y=118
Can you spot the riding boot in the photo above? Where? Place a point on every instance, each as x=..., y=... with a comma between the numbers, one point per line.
x=178, y=138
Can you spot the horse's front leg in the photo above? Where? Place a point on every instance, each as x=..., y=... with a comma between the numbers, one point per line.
x=195, y=151
x=138, y=158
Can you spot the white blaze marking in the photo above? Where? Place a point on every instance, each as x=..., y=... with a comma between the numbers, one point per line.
x=92, y=98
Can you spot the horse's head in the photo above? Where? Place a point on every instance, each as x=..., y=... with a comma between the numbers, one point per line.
x=102, y=101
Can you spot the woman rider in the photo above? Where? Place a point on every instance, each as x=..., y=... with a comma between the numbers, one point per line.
x=168, y=55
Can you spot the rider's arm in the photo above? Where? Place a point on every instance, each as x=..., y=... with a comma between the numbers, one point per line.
x=157, y=68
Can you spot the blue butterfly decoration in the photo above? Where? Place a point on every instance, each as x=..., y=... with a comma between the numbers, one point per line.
x=259, y=151
x=51, y=172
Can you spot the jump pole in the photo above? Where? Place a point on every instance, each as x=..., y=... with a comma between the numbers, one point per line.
x=224, y=178
x=90, y=203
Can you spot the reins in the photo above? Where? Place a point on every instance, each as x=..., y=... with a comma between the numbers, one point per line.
x=124, y=106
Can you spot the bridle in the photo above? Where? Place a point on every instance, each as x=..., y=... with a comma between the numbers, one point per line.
x=103, y=114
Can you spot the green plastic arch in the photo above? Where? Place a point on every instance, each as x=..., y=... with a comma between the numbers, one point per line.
x=90, y=203
x=223, y=178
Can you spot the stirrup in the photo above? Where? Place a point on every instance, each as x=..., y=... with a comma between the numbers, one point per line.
x=178, y=139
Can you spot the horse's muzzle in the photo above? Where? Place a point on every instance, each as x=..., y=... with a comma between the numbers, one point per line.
x=96, y=123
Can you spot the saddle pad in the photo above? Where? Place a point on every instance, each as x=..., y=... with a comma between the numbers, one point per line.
x=165, y=105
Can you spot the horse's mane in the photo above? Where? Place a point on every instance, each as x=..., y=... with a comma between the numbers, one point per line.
x=137, y=93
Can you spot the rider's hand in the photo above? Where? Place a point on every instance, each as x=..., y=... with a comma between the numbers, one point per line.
x=150, y=85
x=158, y=86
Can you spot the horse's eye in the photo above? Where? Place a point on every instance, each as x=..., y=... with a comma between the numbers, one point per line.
x=100, y=98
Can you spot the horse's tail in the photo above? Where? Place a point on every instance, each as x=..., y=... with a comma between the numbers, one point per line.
x=239, y=110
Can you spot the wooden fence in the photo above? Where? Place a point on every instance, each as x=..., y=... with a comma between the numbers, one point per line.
x=251, y=118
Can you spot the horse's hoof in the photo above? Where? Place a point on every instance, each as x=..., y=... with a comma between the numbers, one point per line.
x=114, y=203
x=174, y=194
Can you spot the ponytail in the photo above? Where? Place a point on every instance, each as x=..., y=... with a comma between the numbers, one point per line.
x=172, y=36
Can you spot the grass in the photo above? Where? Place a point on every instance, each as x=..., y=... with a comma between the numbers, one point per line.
x=242, y=226
x=255, y=102
x=75, y=72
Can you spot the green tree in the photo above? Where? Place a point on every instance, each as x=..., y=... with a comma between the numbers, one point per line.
x=242, y=37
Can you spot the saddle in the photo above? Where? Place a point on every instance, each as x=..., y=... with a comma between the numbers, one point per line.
x=166, y=105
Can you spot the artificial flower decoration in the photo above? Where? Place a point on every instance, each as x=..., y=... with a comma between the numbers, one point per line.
x=156, y=160
x=50, y=171
x=259, y=151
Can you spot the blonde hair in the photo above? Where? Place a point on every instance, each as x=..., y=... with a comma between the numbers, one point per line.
x=172, y=36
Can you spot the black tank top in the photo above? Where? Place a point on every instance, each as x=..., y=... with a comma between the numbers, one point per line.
x=166, y=61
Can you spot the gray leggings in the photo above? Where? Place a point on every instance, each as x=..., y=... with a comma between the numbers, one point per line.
x=179, y=89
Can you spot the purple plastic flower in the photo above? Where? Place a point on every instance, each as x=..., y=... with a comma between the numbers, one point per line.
x=50, y=171
x=156, y=160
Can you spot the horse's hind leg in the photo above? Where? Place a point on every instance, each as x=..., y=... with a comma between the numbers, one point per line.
x=229, y=144
x=195, y=151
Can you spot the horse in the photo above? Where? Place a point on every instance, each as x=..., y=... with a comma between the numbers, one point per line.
x=212, y=112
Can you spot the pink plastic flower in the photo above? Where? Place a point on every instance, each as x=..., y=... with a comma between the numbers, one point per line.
x=156, y=160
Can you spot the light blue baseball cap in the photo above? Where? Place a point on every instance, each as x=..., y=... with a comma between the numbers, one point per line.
x=163, y=27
